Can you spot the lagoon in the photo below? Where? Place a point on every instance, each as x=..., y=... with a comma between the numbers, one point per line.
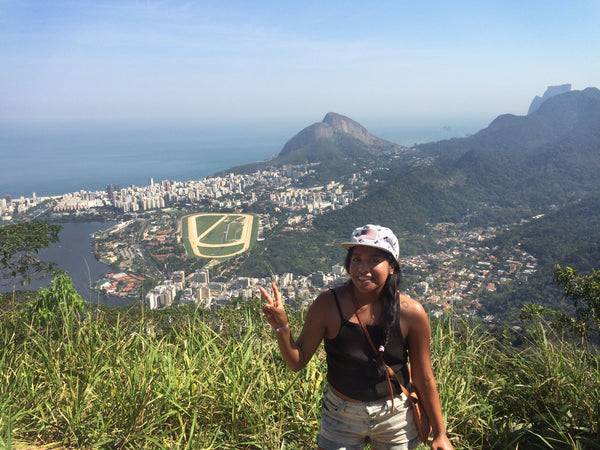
x=73, y=253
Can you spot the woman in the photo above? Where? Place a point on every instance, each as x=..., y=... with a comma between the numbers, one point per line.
x=357, y=407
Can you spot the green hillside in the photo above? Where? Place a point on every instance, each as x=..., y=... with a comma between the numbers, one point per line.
x=569, y=237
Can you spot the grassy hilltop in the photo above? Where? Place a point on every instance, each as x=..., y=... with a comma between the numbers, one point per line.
x=77, y=376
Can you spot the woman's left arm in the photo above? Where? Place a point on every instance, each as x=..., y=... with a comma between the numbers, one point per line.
x=418, y=338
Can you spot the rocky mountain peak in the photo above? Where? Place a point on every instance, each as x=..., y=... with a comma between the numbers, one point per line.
x=333, y=127
x=550, y=92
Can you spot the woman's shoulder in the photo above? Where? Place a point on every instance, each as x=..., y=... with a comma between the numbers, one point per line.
x=408, y=304
x=324, y=301
x=324, y=312
x=411, y=309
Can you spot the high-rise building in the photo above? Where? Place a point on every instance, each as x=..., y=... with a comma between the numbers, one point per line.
x=201, y=276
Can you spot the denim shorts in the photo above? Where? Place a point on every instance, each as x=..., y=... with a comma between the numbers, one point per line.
x=351, y=425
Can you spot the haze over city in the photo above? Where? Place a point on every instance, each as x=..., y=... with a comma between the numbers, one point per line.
x=168, y=60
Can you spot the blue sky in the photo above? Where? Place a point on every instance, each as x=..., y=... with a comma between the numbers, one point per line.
x=196, y=60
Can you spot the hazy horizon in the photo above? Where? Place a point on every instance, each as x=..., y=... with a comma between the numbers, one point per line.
x=58, y=158
x=201, y=60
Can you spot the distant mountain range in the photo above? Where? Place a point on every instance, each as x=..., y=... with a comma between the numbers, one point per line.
x=517, y=167
x=517, y=164
x=337, y=143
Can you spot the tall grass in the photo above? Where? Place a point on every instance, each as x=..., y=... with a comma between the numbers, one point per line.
x=543, y=393
x=186, y=378
x=158, y=383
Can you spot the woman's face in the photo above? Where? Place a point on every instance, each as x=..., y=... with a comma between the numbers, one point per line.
x=369, y=269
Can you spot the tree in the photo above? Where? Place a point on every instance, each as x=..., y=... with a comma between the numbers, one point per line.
x=584, y=292
x=19, y=245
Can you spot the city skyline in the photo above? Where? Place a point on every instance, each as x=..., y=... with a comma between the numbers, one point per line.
x=150, y=60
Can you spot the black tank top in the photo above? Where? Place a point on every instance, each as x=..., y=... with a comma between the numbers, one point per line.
x=353, y=369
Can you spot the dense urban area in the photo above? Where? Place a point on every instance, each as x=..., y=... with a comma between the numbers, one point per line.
x=149, y=260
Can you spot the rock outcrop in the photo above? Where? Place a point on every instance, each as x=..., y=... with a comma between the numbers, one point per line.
x=333, y=127
x=550, y=92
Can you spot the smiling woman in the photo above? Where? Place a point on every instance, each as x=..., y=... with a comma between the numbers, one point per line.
x=369, y=407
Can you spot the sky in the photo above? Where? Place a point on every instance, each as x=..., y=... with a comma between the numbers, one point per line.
x=263, y=60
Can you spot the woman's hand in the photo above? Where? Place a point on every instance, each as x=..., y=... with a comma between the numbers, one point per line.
x=441, y=443
x=274, y=310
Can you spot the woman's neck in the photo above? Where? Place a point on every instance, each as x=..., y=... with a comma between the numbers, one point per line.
x=360, y=299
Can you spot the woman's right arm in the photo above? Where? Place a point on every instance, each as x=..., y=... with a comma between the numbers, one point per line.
x=297, y=353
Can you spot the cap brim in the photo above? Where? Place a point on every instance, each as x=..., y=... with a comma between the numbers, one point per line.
x=349, y=245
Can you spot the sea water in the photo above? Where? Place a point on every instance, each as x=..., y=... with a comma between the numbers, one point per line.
x=58, y=158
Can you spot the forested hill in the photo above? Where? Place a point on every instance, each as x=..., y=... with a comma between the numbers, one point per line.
x=517, y=168
x=336, y=129
x=560, y=118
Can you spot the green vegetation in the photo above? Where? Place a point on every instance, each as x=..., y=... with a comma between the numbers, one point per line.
x=234, y=232
x=188, y=378
x=184, y=236
x=205, y=221
x=19, y=246
x=294, y=251
x=216, y=251
x=568, y=237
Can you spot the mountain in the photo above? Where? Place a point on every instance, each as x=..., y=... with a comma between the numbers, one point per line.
x=517, y=167
x=335, y=135
x=337, y=145
x=558, y=118
x=502, y=173
x=550, y=92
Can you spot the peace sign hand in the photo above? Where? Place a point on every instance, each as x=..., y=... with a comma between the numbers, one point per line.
x=274, y=311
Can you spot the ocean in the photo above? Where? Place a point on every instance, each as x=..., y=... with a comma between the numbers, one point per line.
x=58, y=158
